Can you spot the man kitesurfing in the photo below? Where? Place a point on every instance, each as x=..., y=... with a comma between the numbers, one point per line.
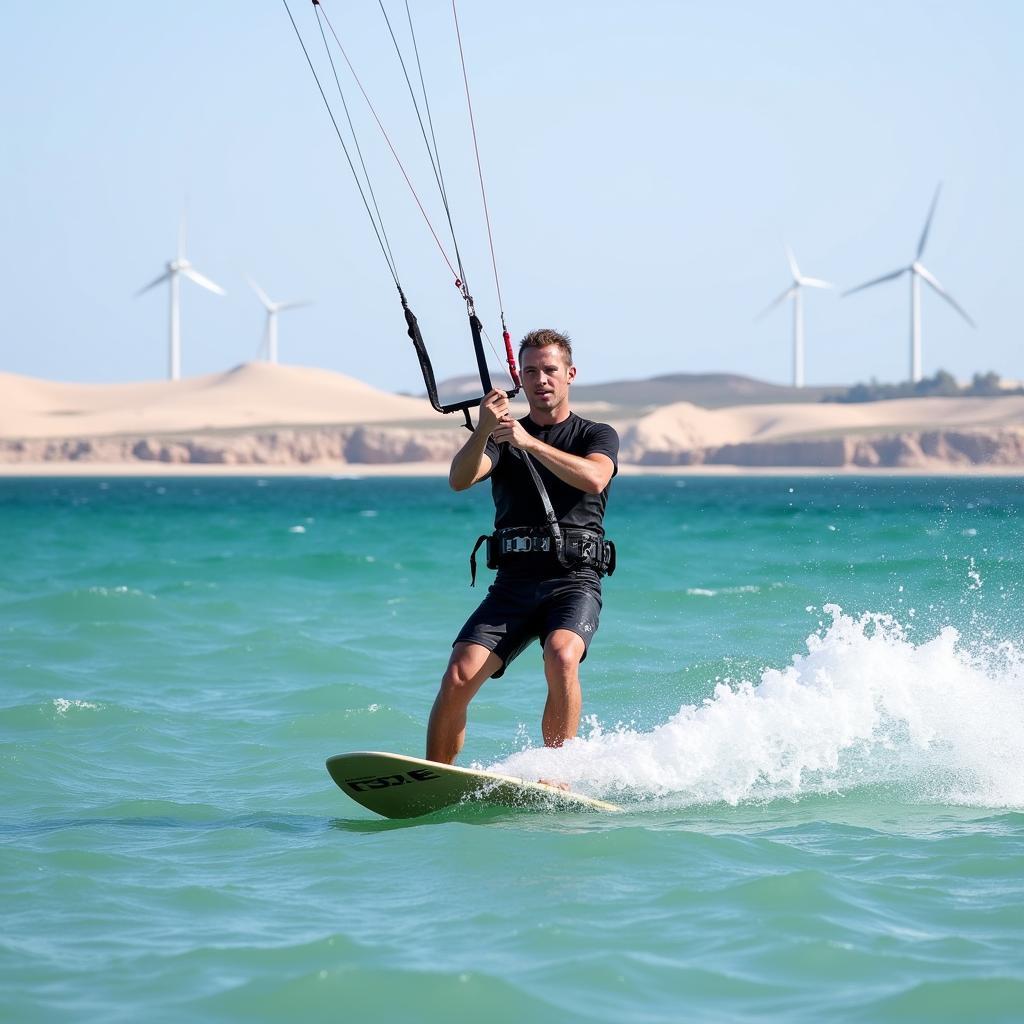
x=548, y=546
x=550, y=471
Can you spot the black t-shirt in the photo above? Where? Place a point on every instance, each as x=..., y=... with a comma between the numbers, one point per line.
x=516, y=501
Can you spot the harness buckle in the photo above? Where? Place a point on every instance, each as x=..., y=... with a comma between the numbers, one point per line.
x=520, y=545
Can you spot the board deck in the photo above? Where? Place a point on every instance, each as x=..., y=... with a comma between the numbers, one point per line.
x=397, y=786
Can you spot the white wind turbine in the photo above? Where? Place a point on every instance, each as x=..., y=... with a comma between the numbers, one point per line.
x=795, y=292
x=269, y=347
x=179, y=265
x=917, y=271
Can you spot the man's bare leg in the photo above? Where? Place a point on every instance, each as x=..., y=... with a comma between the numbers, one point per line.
x=563, y=652
x=469, y=667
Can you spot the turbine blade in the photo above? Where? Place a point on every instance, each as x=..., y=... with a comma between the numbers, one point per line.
x=204, y=282
x=928, y=222
x=813, y=282
x=264, y=298
x=295, y=304
x=793, y=268
x=152, y=284
x=782, y=298
x=942, y=291
x=877, y=280
x=181, y=231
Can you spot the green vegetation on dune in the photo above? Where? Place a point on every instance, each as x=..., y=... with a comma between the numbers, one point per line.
x=942, y=385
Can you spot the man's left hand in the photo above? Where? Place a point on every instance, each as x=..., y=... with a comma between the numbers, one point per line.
x=512, y=432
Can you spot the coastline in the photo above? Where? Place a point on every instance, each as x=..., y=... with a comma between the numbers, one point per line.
x=261, y=419
x=346, y=471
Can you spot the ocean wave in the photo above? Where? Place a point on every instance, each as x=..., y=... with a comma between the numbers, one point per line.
x=864, y=707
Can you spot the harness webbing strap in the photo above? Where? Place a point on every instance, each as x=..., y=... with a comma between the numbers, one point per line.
x=549, y=513
x=482, y=539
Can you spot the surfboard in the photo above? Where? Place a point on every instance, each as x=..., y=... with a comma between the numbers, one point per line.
x=397, y=786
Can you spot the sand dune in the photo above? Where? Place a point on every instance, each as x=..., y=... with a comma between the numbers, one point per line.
x=263, y=414
x=682, y=426
x=254, y=394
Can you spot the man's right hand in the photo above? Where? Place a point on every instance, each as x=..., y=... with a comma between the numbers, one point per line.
x=471, y=462
x=493, y=409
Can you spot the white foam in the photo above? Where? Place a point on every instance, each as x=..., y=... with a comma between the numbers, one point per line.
x=62, y=705
x=114, y=591
x=705, y=592
x=864, y=706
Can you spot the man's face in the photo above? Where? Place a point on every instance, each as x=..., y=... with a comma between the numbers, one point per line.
x=546, y=377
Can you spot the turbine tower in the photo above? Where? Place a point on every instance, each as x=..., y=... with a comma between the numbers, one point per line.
x=917, y=272
x=179, y=265
x=795, y=292
x=269, y=347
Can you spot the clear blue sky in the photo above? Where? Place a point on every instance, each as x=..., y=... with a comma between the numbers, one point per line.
x=645, y=163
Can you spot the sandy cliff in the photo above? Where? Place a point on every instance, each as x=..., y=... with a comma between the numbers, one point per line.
x=907, y=433
x=261, y=416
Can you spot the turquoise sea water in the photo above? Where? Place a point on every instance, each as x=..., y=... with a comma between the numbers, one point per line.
x=807, y=693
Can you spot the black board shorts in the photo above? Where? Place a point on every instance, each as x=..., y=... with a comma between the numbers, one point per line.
x=517, y=611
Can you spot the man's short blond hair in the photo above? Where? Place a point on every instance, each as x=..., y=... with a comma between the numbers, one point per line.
x=545, y=337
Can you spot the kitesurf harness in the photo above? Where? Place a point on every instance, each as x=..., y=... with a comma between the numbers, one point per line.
x=574, y=549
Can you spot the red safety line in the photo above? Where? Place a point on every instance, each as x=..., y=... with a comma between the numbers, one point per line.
x=512, y=371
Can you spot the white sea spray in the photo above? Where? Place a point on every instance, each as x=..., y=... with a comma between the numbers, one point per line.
x=62, y=705
x=935, y=721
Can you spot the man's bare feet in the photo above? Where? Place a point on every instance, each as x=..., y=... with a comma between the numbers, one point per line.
x=554, y=784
